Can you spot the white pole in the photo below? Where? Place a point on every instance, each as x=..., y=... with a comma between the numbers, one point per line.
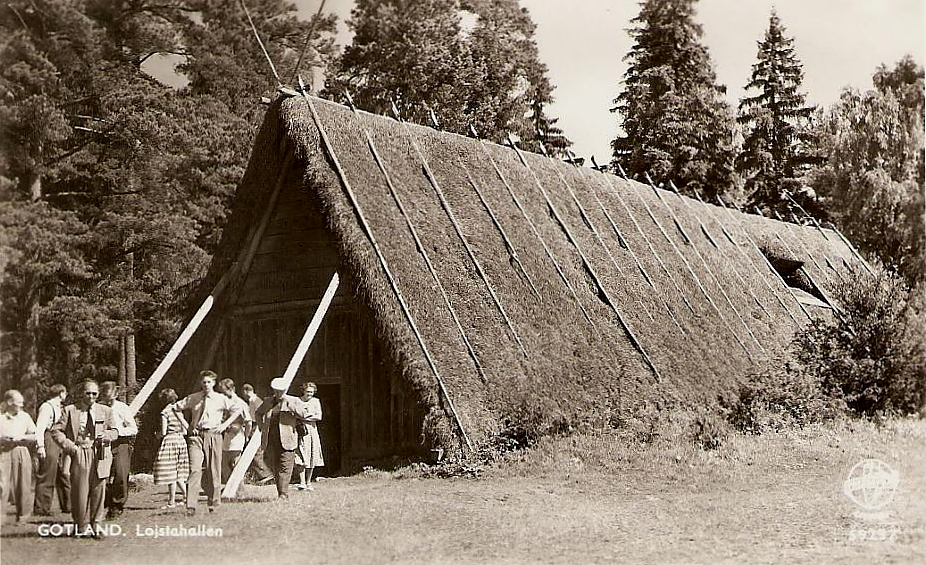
x=231, y=487
x=171, y=356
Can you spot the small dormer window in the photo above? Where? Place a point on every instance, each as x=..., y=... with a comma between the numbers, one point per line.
x=799, y=281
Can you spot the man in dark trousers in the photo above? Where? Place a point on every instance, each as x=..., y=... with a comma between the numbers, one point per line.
x=54, y=473
x=281, y=414
x=85, y=432
x=117, y=492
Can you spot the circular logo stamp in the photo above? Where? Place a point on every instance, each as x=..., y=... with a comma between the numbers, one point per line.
x=871, y=484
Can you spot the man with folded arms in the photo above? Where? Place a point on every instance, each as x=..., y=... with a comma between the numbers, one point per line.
x=118, y=491
x=211, y=413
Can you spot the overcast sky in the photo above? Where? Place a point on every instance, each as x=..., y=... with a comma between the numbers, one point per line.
x=583, y=42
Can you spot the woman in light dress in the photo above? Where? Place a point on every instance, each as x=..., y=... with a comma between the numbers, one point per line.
x=309, y=454
x=172, y=466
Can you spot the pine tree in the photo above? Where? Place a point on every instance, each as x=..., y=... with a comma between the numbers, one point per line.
x=677, y=125
x=473, y=62
x=778, y=145
x=118, y=186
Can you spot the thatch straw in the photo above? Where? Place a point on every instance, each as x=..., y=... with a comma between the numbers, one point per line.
x=533, y=231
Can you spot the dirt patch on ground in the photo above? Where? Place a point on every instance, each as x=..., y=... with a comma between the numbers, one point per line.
x=584, y=499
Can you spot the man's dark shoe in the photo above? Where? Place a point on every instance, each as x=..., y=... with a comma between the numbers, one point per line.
x=191, y=512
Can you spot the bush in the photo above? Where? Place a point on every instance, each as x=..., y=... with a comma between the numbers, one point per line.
x=784, y=396
x=872, y=355
x=868, y=359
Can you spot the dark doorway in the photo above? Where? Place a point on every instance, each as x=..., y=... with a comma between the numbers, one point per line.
x=329, y=429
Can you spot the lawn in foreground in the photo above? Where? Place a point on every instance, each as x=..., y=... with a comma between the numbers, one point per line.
x=581, y=499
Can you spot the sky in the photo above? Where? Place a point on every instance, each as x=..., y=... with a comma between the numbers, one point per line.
x=583, y=42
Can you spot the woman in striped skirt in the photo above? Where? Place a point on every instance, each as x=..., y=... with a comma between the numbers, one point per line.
x=172, y=466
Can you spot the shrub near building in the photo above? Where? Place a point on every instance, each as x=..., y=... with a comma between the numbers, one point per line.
x=868, y=361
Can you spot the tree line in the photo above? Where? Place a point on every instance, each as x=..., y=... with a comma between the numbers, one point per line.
x=115, y=187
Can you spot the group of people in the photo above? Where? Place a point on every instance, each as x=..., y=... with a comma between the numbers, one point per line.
x=83, y=451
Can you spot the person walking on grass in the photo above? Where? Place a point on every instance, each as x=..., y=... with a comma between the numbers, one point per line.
x=117, y=492
x=309, y=454
x=236, y=435
x=85, y=432
x=281, y=414
x=172, y=466
x=258, y=468
x=17, y=436
x=211, y=414
x=53, y=473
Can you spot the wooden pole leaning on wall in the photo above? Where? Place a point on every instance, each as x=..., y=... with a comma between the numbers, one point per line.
x=250, y=450
x=588, y=265
x=459, y=231
x=695, y=277
x=349, y=192
x=155, y=379
x=421, y=249
x=704, y=262
x=768, y=263
x=509, y=245
x=536, y=232
x=749, y=260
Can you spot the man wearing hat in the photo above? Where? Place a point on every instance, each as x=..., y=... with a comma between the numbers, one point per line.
x=211, y=414
x=281, y=414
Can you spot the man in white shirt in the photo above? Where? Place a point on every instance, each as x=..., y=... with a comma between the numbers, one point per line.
x=117, y=492
x=211, y=413
x=54, y=472
x=236, y=435
x=17, y=435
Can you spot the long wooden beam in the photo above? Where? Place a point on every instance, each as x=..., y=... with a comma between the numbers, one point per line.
x=649, y=244
x=509, y=245
x=155, y=379
x=851, y=247
x=622, y=241
x=237, y=475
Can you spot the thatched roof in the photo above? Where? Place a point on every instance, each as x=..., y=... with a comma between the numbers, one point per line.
x=732, y=312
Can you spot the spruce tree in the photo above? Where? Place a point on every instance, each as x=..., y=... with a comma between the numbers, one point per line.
x=473, y=62
x=777, y=145
x=677, y=125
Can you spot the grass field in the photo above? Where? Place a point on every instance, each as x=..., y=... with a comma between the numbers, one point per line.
x=580, y=499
